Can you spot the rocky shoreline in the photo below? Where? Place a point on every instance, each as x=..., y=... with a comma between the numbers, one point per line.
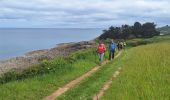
x=34, y=57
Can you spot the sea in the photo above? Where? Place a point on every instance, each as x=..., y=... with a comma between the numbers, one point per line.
x=18, y=41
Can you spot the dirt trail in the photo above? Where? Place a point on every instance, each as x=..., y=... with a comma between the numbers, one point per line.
x=107, y=85
x=71, y=84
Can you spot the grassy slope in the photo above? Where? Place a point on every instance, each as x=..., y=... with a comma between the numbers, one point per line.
x=36, y=88
x=145, y=76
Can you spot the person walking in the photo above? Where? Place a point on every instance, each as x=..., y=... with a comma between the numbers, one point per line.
x=118, y=45
x=101, y=50
x=124, y=45
x=121, y=45
x=112, y=48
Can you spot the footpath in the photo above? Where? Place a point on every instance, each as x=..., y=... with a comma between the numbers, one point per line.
x=76, y=81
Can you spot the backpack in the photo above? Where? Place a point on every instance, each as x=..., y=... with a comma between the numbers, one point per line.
x=112, y=46
x=101, y=49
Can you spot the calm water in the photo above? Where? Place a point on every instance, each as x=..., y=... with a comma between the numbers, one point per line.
x=16, y=42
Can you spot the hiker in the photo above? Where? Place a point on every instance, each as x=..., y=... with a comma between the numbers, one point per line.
x=112, y=48
x=101, y=50
x=124, y=44
x=120, y=45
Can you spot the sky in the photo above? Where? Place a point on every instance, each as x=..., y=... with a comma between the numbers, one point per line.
x=81, y=13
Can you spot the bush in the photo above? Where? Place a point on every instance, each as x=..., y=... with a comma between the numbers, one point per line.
x=137, y=42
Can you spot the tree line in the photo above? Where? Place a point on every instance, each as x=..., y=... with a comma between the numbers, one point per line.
x=138, y=30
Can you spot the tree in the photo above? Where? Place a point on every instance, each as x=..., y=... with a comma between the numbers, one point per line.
x=125, y=31
x=149, y=30
x=137, y=29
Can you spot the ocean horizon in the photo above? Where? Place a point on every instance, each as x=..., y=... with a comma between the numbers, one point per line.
x=18, y=41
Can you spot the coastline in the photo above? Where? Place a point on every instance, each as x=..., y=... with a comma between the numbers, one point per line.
x=25, y=61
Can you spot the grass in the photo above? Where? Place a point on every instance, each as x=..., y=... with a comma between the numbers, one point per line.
x=145, y=76
x=89, y=87
x=38, y=86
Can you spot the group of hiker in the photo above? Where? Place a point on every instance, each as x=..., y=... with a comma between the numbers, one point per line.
x=101, y=48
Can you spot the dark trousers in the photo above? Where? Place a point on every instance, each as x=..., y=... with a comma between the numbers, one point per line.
x=111, y=54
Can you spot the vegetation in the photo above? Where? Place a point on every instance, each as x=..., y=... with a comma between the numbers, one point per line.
x=144, y=41
x=147, y=30
x=145, y=75
x=42, y=84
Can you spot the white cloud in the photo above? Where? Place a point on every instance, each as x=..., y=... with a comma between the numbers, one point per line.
x=80, y=13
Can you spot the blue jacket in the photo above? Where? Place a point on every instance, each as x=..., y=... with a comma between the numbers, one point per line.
x=112, y=46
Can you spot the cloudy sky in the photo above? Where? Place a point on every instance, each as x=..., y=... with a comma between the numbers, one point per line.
x=81, y=13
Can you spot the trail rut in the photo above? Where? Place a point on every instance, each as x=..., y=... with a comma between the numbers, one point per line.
x=107, y=85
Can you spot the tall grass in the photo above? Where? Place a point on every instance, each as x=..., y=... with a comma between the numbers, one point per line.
x=145, y=75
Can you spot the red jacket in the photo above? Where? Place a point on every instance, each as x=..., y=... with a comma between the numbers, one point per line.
x=101, y=48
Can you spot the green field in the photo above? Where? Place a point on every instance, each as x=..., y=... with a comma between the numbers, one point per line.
x=145, y=75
